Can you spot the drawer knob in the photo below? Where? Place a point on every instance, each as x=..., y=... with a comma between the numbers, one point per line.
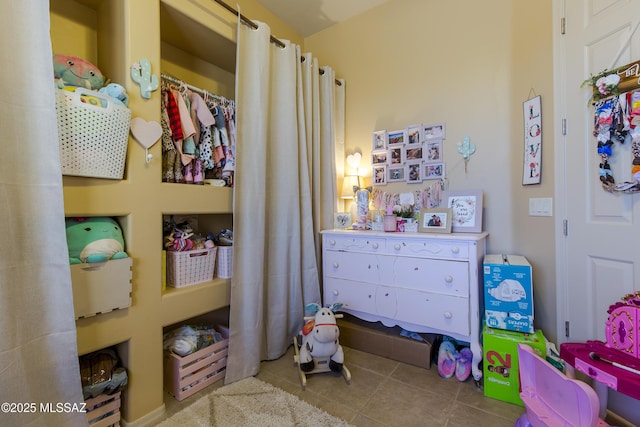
x=332, y=242
x=336, y=265
x=335, y=292
x=455, y=250
x=397, y=246
x=448, y=278
x=375, y=245
x=448, y=315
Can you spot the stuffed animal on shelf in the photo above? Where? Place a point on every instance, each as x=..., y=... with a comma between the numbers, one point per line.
x=74, y=71
x=94, y=239
x=117, y=92
x=320, y=339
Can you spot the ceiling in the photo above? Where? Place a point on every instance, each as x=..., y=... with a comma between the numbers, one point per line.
x=308, y=17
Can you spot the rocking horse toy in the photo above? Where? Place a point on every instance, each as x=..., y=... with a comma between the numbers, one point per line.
x=319, y=350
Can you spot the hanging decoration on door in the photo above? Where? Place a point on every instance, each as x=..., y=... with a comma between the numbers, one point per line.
x=616, y=100
x=532, y=141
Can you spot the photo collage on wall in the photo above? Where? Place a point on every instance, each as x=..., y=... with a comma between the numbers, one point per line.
x=409, y=155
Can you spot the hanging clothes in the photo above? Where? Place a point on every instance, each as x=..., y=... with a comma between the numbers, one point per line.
x=198, y=132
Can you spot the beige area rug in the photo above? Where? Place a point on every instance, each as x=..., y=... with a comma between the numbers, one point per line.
x=251, y=402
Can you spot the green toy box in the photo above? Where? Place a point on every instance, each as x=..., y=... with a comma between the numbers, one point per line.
x=500, y=361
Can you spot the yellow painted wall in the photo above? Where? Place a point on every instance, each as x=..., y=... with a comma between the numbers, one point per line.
x=470, y=65
x=114, y=34
x=409, y=61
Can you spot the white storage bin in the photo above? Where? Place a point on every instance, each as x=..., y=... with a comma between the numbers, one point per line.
x=225, y=262
x=93, y=139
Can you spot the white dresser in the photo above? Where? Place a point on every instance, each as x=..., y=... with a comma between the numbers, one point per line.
x=422, y=282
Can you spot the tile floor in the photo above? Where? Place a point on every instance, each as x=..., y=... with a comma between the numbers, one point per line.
x=383, y=392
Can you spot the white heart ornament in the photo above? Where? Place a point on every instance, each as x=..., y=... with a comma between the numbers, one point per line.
x=353, y=160
x=146, y=133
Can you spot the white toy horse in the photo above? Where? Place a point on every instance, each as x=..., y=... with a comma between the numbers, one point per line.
x=320, y=350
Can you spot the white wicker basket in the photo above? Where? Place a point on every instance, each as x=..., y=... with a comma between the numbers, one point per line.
x=225, y=262
x=93, y=139
x=190, y=267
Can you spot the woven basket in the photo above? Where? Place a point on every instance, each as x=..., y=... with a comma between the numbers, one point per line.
x=93, y=139
x=190, y=267
x=225, y=262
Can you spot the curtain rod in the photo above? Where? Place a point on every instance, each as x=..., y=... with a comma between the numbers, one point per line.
x=193, y=88
x=253, y=25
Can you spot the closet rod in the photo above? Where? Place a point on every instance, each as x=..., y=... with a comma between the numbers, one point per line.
x=253, y=25
x=192, y=88
x=248, y=21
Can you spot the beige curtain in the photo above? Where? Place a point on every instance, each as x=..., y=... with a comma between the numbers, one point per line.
x=38, y=357
x=285, y=193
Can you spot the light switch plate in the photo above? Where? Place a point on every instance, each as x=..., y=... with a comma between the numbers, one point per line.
x=541, y=206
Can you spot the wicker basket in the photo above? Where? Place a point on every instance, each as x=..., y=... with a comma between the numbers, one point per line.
x=225, y=262
x=190, y=267
x=93, y=139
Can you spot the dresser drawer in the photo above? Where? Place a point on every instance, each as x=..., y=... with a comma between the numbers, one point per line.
x=443, y=312
x=353, y=295
x=432, y=275
x=354, y=243
x=428, y=248
x=357, y=266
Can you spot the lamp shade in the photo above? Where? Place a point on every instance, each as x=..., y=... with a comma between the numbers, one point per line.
x=348, y=183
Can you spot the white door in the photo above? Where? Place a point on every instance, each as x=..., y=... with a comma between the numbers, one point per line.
x=598, y=261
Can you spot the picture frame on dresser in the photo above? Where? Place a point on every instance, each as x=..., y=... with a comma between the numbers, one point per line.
x=466, y=206
x=341, y=220
x=435, y=220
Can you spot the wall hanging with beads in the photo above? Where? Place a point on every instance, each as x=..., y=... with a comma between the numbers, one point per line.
x=616, y=100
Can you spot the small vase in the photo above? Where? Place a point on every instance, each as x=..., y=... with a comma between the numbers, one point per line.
x=389, y=223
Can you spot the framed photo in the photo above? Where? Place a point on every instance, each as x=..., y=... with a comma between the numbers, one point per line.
x=379, y=140
x=437, y=220
x=433, y=151
x=415, y=134
x=396, y=174
x=397, y=137
x=413, y=152
x=395, y=156
x=414, y=173
x=379, y=175
x=342, y=220
x=379, y=157
x=436, y=131
x=466, y=207
x=434, y=171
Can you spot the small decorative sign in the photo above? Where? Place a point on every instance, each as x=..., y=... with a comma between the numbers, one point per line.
x=532, y=141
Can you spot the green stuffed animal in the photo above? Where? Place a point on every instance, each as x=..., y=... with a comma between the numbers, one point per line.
x=74, y=71
x=94, y=239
